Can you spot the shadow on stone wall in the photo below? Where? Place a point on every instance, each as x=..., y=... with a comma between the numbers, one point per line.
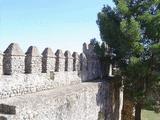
x=108, y=98
x=3, y=118
x=7, y=109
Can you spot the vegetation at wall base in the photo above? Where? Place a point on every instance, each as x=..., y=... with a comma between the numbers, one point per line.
x=150, y=115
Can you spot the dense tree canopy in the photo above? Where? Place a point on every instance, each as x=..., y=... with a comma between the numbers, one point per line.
x=132, y=31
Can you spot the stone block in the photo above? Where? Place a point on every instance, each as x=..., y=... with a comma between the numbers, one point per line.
x=76, y=61
x=48, y=61
x=33, y=61
x=68, y=61
x=60, y=61
x=1, y=63
x=85, y=48
x=13, y=61
x=83, y=67
x=83, y=62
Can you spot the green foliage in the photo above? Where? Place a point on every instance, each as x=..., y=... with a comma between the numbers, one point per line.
x=132, y=31
x=150, y=115
x=122, y=7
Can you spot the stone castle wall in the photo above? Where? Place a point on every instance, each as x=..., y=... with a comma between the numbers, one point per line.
x=33, y=72
x=49, y=86
x=84, y=101
x=93, y=64
x=1, y=63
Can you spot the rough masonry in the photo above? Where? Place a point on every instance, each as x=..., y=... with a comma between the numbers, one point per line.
x=49, y=86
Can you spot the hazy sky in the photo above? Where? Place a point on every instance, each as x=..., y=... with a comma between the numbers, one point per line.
x=59, y=24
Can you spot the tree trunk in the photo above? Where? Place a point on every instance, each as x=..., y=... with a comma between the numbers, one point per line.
x=138, y=111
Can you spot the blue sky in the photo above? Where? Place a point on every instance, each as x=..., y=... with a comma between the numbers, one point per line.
x=59, y=24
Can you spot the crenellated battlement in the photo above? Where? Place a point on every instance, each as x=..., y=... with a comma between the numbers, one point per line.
x=93, y=64
x=29, y=72
x=48, y=60
x=1, y=63
x=14, y=61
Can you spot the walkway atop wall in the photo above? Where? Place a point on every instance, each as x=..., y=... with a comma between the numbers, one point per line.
x=65, y=102
x=53, y=93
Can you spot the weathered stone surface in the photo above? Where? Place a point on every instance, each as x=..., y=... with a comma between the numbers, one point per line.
x=48, y=53
x=60, y=61
x=76, y=61
x=32, y=51
x=14, y=49
x=83, y=66
x=94, y=69
x=93, y=63
x=85, y=47
x=91, y=47
x=71, y=100
x=13, y=61
x=21, y=84
x=86, y=101
x=33, y=61
x=1, y=63
x=48, y=61
x=83, y=62
x=68, y=61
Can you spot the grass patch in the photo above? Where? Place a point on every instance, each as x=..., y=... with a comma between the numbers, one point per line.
x=150, y=115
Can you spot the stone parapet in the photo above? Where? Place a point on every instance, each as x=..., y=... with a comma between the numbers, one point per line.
x=33, y=61
x=60, y=61
x=93, y=62
x=17, y=85
x=48, y=61
x=68, y=61
x=85, y=101
x=13, y=61
x=1, y=63
x=76, y=62
x=83, y=66
x=59, y=95
x=30, y=72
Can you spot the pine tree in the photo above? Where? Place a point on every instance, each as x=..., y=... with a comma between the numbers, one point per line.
x=132, y=31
